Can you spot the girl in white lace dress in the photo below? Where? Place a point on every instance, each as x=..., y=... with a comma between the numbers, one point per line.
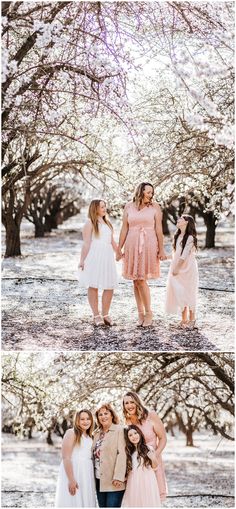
x=76, y=482
x=97, y=261
x=182, y=282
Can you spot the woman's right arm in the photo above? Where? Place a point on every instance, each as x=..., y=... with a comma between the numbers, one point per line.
x=152, y=456
x=160, y=432
x=123, y=233
x=87, y=238
x=67, y=448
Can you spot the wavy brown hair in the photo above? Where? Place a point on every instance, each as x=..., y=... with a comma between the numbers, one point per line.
x=142, y=411
x=190, y=230
x=77, y=430
x=93, y=216
x=142, y=449
x=139, y=193
x=115, y=418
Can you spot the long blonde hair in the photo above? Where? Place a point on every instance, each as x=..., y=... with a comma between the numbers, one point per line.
x=93, y=216
x=141, y=412
x=139, y=193
x=77, y=430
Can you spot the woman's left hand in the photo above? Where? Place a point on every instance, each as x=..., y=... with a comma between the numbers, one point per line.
x=162, y=255
x=119, y=254
x=117, y=484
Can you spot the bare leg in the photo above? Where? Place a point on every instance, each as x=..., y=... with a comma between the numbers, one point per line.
x=144, y=291
x=185, y=315
x=106, y=301
x=139, y=302
x=192, y=315
x=192, y=320
x=93, y=300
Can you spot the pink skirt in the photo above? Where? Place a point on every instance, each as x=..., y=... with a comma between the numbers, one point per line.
x=140, y=259
x=141, y=489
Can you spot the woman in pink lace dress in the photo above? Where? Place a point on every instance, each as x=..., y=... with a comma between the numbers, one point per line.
x=153, y=430
x=142, y=238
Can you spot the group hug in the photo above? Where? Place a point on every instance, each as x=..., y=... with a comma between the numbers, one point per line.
x=114, y=465
x=141, y=249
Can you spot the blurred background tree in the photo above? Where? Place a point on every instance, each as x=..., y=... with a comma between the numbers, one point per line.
x=189, y=391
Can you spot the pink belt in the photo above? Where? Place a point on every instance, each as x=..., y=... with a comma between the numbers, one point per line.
x=142, y=235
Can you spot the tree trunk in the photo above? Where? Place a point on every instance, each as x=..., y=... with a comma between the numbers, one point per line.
x=47, y=224
x=11, y=217
x=189, y=437
x=39, y=229
x=49, y=438
x=50, y=223
x=210, y=222
x=12, y=238
x=165, y=227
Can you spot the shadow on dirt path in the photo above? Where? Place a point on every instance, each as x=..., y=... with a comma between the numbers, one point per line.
x=44, y=308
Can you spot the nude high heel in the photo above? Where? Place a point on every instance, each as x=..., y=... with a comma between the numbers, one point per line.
x=107, y=320
x=141, y=317
x=97, y=320
x=148, y=319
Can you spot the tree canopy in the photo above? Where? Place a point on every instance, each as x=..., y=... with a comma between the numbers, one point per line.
x=113, y=92
x=186, y=389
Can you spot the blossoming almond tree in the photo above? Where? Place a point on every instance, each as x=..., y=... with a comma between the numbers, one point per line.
x=75, y=71
x=190, y=390
x=63, y=63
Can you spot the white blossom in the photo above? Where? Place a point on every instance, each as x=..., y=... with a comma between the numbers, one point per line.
x=5, y=63
x=225, y=136
x=225, y=203
x=18, y=100
x=4, y=21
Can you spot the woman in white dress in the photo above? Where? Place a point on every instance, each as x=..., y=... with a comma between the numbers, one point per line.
x=97, y=261
x=76, y=482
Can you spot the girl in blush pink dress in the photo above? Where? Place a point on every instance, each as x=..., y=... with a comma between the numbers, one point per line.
x=142, y=238
x=152, y=441
x=182, y=282
x=141, y=488
x=153, y=430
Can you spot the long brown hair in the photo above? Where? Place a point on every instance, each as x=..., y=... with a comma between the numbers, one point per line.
x=139, y=193
x=142, y=411
x=77, y=430
x=93, y=216
x=107, y=406
x=190, y=230
x=142, y=449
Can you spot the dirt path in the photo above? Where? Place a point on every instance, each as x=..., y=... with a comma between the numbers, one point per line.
x=44, y=308
x=197, y=477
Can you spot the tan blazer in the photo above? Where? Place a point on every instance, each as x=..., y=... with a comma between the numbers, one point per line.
x=112, y=458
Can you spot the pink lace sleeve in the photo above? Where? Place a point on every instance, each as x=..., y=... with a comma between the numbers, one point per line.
x=127, y=207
